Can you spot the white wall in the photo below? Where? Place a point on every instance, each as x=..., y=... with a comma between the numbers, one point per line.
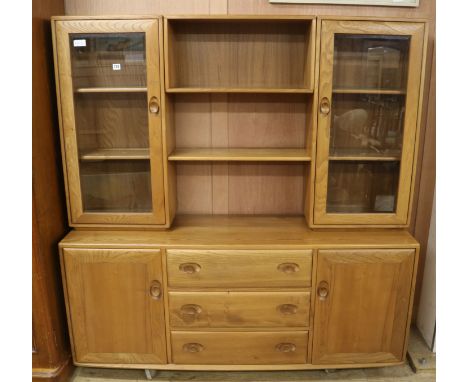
x=426, y=319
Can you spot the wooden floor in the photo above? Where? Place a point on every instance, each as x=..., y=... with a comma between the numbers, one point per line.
x=387, y=374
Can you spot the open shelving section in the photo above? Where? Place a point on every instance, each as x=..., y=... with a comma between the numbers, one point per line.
x=139, y=89
x=239, y=96
x=239, y=54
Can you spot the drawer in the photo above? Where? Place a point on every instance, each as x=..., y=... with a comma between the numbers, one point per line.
x=231, y=268
x=239, y=309
x=242, y=348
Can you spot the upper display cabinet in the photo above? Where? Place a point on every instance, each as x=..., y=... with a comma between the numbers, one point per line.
x=238, y=115
x=368, y=104
x=108, y=75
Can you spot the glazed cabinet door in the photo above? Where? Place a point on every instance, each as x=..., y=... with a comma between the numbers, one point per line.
x=369, y=85
x=109, y=79
x=362, y=305
x=115, y=305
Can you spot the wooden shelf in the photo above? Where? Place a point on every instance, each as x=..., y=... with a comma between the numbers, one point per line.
x=240, y=90
x=363, y=155
x=381, y=158
x=112, y=90
x=368, y=91
x=115, y=154
x=241, y=155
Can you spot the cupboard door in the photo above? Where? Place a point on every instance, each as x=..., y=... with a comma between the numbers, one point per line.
x=369, y=83
x=108, y=72
x=362, y=305
x=115, y=305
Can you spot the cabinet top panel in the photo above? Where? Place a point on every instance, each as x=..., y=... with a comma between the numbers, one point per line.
x=105, y=17
x=223, y=17
x=241, y=232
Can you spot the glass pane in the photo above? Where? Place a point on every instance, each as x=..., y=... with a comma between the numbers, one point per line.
x=111, y=121
x=104, y=59
x=116, y=186
x=110, y=100
x=367, y=125
x=370, y=62
x=362, y=187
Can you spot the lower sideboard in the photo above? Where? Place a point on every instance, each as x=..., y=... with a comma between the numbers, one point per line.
x=239, y=294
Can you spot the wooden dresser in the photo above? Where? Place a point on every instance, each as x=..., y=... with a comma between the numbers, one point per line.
x=240, y=189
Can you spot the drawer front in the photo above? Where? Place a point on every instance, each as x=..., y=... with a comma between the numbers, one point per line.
x=242, y=348
x=230, y=268
x=239, y=309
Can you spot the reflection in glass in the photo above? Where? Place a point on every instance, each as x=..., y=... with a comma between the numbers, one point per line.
x=367, y=125
x=366, y=129
x=362, y=187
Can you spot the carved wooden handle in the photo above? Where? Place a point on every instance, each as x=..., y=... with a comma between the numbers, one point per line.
x=288, y=267
x=286, y=347
x=193, y=347
x=191, y=310
x=190, y=268
x=325, y=106
x=323, y=290
x=154, y=105
x=287, y=308
x=156, y=290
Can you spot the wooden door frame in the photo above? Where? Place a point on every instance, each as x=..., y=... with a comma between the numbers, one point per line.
x=418, y=34
x=63, y=28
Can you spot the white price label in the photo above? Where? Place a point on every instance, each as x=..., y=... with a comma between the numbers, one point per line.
x=116, y=67
x=80, y=42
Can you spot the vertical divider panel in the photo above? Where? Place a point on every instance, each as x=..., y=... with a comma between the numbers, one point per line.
x=153, y=50
x=220, y=138
x=166, y=306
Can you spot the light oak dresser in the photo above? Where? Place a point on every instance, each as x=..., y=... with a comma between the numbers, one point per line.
x=239, y=189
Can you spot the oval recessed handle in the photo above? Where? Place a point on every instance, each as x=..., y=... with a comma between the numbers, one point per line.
x=288, y=267
x=189, y=268
x=325, y=106
x=286, y=347
x=323, y=290
x=287, y=309
x=154, y=105
x=191, y=310
x=193, y=347
x=156, y=290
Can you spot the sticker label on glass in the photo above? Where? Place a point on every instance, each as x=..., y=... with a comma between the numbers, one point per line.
x=80, y=42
